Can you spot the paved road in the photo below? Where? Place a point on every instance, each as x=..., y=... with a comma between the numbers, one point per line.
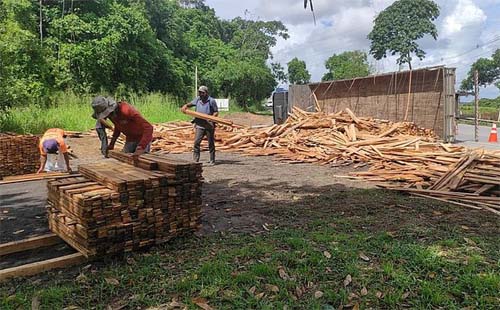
x=465, y=136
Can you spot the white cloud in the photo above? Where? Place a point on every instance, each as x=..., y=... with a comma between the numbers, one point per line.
x=465, y=15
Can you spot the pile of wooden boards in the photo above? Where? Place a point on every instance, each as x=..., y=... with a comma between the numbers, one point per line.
x=114, y=207
x=399, y=155
x=473, y=181
x=19, y=154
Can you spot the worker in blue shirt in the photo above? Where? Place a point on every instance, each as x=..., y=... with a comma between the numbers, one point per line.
x=206, y=105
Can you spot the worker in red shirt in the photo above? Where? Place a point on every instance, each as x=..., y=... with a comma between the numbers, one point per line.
x=127, y=120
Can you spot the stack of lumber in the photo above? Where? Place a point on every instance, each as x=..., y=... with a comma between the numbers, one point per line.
x=19, y=154
x=176, y=170
x=399, y=155
x=86, y=215
x=115, y=207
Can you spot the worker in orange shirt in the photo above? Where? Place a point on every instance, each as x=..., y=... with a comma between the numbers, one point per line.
x=52, y=143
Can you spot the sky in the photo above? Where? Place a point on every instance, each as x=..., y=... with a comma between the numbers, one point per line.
x=467, y=30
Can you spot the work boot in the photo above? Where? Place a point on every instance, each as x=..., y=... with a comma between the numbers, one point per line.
x=196, y=157
x=211, y=162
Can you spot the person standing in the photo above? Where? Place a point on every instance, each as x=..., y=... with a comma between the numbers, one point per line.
x=206, y=105
x=52, y=143
x=100, y=127
x=127, y=120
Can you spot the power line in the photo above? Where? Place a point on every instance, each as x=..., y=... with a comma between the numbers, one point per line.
x=497, y=38
x=473, y=59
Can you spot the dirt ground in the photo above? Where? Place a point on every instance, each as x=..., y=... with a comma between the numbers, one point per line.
x=240, y=194
x=229, y=193
x=249, y=119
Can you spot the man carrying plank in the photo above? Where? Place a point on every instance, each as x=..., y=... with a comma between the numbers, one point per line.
x=206, y=105
x=127, y=120
x=52, y=143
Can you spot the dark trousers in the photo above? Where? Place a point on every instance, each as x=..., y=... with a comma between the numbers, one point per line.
x=101, y=133
x=200, y=133
x=130, y=147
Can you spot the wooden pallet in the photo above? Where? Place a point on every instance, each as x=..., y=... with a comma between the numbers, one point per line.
x=36, y=267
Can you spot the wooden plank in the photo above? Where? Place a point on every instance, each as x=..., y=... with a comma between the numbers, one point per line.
x=448, y=201
x=208, y=117
x=484, y=188
x=33, y=177
x=29, y=244
x=38, y=267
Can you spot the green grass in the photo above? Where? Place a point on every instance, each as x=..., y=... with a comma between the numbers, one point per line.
x=418, y=264
x=73, y=112
x=468, y=109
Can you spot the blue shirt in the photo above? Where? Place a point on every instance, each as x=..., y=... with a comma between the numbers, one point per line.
x=209, y=107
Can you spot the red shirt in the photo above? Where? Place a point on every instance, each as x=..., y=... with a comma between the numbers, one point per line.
x=129, y=121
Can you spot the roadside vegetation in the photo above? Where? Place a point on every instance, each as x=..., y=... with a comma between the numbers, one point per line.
x=489, y=109
x=73, y=112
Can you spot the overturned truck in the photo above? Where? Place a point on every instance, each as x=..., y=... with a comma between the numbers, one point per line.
x=423, y=96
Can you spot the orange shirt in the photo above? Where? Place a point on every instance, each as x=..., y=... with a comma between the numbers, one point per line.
x=56, y=134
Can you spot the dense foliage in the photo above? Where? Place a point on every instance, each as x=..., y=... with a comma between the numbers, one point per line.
x=347, y=65
x=488, y=72
x=397, y=29
x=131, y=45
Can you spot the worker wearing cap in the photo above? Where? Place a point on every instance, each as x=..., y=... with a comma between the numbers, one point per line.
x=206, y=105
x=52, y=142
x=127, y=120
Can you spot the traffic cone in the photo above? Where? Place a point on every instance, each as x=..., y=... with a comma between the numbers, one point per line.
x=493, y=134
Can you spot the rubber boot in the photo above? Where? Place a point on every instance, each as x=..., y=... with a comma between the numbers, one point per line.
x=212, y=159
x=196, y=157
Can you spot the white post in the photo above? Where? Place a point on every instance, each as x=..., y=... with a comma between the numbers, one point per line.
x=476, y=106
x=195, y=81
x=41, y=25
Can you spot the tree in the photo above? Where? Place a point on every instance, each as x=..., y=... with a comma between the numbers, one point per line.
x=347, y=65
x=255, y=38
x=297, y=72
x=131, y=45
x=279, y=72
x=397, y=28
x=24, y=70
x=248, y=81
x=488, y=69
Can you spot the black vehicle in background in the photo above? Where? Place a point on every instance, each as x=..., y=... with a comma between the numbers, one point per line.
x=280, y=105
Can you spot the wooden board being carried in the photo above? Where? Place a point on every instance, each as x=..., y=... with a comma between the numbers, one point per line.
x=209, y=118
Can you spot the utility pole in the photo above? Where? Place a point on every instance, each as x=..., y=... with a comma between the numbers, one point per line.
x=476, y=106
x=41, y=25
x=195, y=81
